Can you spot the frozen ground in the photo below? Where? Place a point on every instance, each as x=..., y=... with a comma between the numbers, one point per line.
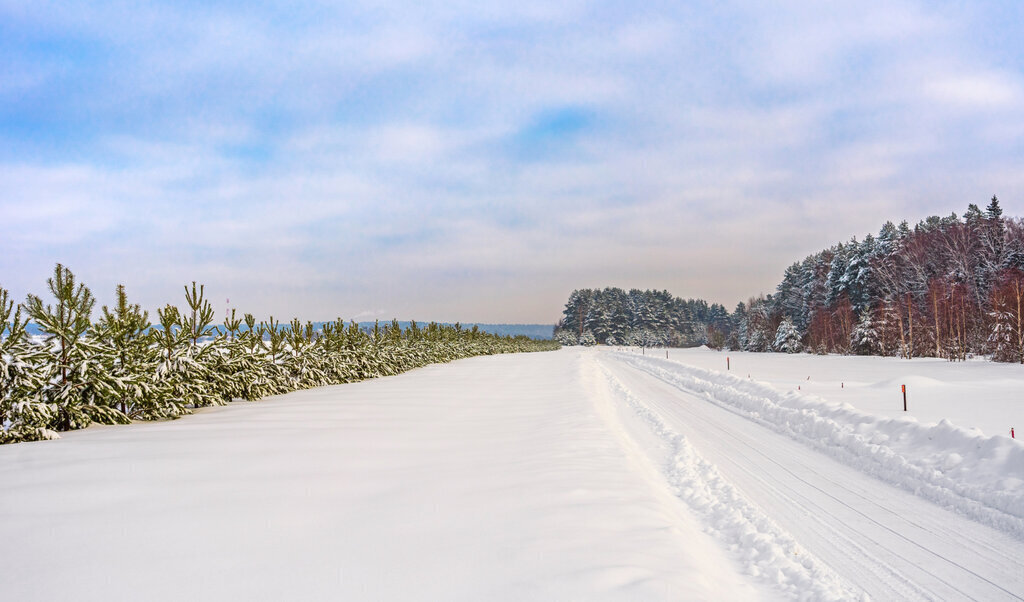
x=574, y=475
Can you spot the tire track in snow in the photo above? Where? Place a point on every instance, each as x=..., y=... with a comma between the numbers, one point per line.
x=766, y=552
x=758, y=403
x=879, y=569
x=868, y=550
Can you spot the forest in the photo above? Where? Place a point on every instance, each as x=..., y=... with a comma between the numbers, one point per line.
x=612, y=316
x=948, y=287
x=122, y=367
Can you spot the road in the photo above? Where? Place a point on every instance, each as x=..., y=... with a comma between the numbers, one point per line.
x=882, y=540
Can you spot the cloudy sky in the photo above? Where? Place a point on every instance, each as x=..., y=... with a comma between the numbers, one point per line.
x=476, y=161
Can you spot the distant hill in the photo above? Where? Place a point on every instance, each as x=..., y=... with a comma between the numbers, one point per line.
x=534, y=331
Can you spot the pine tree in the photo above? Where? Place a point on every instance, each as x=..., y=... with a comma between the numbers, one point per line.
x=865, y=339
x=75, y=384
x=302, y=358
x=24, y=416
x=787, y=337
x=230, y=363
x=203, y=349
x=567, y=338
x=759, y=327
x=171, y=378
x=128, y=357
x=1002, y=337
x=122, y=368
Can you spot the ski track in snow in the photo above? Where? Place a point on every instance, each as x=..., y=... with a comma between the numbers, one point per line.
x=890, y=543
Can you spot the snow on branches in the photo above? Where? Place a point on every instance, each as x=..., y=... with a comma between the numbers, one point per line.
x=125, y=368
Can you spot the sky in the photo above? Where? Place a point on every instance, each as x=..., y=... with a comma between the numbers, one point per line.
x=477, y=161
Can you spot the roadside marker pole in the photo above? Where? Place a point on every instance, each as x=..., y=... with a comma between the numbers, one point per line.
x=727, y=362
x=904, y=387
x=1012, y=436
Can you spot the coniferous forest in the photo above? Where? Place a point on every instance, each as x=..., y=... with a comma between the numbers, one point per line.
x=122, y=367
x=947, y=287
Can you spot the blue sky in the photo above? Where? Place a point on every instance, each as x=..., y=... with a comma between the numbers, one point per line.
x=477, y=161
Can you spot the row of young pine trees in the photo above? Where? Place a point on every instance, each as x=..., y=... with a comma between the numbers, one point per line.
x=124, y=368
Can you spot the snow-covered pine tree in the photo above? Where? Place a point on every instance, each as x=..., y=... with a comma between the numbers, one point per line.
x=588, y=340
x=865, y=339
x=257, y=376
x=24, y=415
x=75, y=383
x=567, y=338
x=859, y=277
x=129, y=358
x=272, y=340
x=303, y=357
x=230, y=361
x=341, y=356
x=171, y=378
x=1002, y=337
x=203, y=350
x=759, y=328
x=787, y=337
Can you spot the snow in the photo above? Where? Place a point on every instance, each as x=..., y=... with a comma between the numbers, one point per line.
x=976, y=394
x=582, y=474
x=493, y=478
x=981, y=477
x=761, y=547
x=887, y=540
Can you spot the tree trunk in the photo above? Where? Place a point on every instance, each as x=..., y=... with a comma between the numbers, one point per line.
x=910, y=323
x=1020, y=331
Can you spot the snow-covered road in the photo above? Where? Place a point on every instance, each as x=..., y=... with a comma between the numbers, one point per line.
x=881, y=539
x=572, y=475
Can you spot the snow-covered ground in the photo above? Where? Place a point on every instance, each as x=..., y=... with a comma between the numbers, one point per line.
x=978, y=393
x=493, y=478
x=579, y=474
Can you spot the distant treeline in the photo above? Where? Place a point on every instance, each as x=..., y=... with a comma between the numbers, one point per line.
x=613, y=316
x=123, y=368
x=534, y=331
x=948, y=287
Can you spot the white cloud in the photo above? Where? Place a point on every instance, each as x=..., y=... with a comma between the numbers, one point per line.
x=723, y=143
x=977, y=90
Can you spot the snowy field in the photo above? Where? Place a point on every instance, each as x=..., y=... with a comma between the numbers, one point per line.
x=980, y=394
x=572, y=475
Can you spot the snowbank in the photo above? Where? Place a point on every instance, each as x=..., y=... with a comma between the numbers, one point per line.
x=976, y=394
x=976, y=475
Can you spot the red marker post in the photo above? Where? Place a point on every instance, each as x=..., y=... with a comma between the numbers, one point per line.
x=727, y=362
x=904, y=387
